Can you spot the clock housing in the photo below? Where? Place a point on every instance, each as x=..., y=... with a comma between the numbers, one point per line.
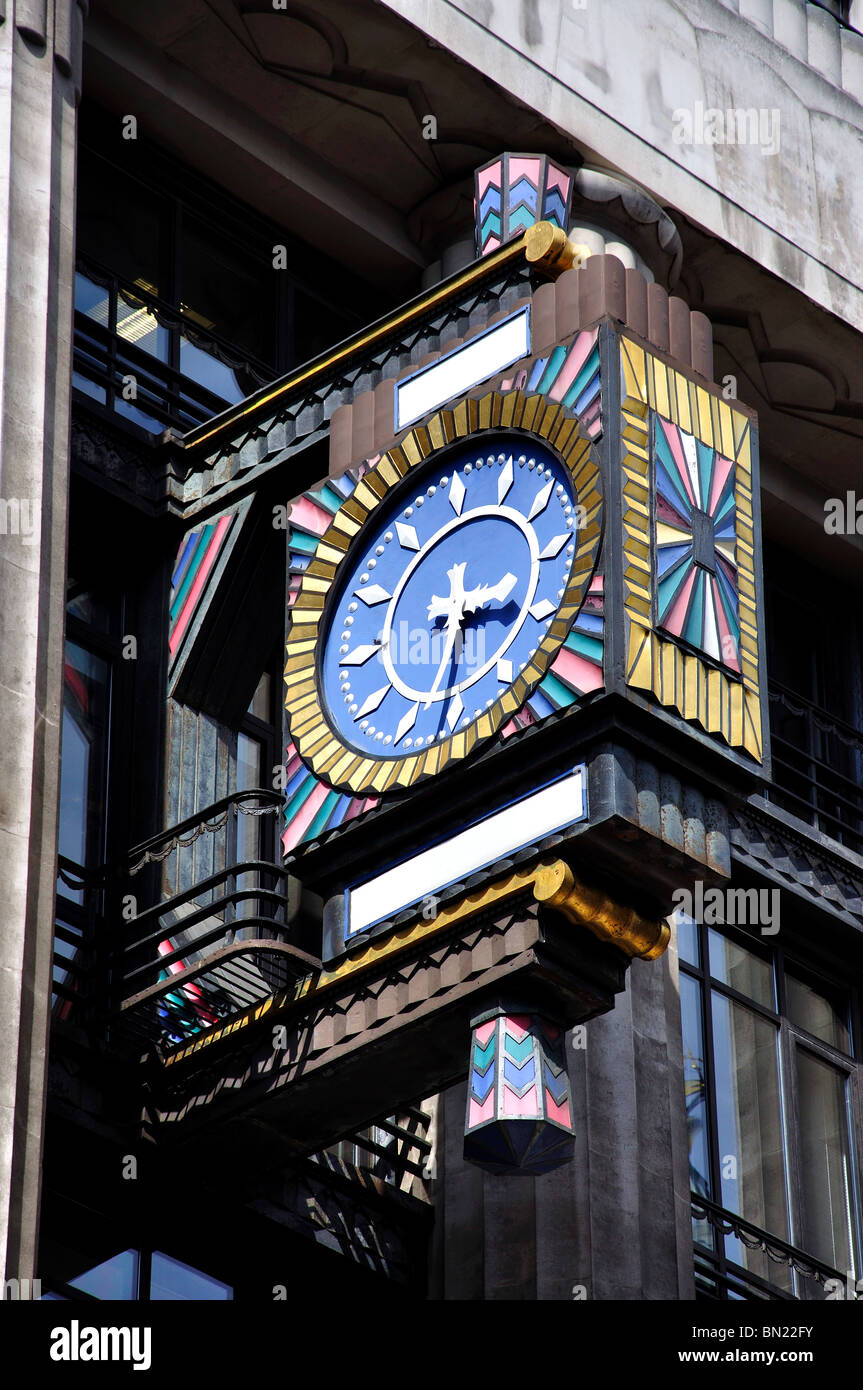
x=424, y=625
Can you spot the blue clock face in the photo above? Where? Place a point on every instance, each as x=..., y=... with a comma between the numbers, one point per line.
x=446, y=595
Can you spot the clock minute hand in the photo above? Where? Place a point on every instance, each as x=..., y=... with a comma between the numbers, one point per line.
x=453, y=607
x=485, y=593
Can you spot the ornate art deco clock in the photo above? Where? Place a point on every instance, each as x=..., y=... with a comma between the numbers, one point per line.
x=417, y=635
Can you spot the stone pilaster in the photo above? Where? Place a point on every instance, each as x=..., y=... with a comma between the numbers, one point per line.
x=40, y=67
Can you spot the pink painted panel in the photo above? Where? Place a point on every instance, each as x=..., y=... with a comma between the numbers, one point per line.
x=520, y=1105
x=560, y=1113
x=478, y=1114
x=558, y=178
x=575, y=360
x=310, y=516
x=487, y=176
x=200, y=580
x=721, y=468
x=677, y=617
x=518, y=168
x=576, y=671
x=670, y=432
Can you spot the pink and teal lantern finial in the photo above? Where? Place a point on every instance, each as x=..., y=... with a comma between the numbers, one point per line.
x=519, y=1107
x=512, y=192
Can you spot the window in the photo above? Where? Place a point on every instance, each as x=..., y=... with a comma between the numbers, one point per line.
x=814, y=661
x=141, y=1275
x=770, y=1083
x=92, y=648
x=180, y=308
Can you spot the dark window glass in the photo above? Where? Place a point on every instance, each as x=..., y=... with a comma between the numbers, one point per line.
x=776, y=1112
x=228, y=290
x=695, y=1085
x=84, y=755
x=687, y=937
x=317, y=327
x=122, y=225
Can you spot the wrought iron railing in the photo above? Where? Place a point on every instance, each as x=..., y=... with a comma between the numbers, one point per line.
x=718, y=1276
x=212, y=943
x=817, y=766
x=208, y=944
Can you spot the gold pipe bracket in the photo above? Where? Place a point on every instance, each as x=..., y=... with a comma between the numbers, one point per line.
x=549, y=249
x=556, y=886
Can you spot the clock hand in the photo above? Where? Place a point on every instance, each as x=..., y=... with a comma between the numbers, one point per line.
x=474, y=598
x=484, y=593
x=453, y=607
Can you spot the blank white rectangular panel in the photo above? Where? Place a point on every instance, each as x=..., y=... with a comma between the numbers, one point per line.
x=527, y=821
x=463, y=368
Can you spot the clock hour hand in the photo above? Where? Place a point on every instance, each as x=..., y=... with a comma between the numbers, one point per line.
x=473, y=598
x=486, y=593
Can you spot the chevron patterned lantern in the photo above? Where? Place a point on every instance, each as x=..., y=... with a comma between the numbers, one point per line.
x=519, y=1110
x=514, y=191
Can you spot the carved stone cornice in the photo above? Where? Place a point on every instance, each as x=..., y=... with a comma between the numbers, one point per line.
x=111, y=457
x=797, y=857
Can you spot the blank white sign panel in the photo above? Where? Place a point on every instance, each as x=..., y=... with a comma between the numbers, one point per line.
x=526, y=821
x=463, y=368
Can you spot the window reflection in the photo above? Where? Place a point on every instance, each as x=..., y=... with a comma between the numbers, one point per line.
x=825, y=1161
x=133, y=1275
x=768, y=1113
x=83, y=762
x=741, y=969
x=172, y=1280
x=116, y=1278
x=824, y=1016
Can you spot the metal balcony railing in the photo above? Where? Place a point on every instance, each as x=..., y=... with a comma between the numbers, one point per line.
x=719, y=1277
x=218, y=943
x=817, y=767
x=210, y=944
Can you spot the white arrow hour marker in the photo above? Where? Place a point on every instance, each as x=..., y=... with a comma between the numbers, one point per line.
x=456, y=493
x=407, y=723
x=408, y=539
x=541, y=610
x=540, y=501
x=454, y=713
x=554, y=547
x=372, y=595
x=504, y=482
x=359, y=656
x=375, y=699
x=504, y=671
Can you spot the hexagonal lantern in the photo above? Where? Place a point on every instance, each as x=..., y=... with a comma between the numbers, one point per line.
x=519, y=1109
x=513, y=192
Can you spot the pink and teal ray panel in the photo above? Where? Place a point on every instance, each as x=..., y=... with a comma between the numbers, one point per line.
x=311, y=806
x=196, y=560
x=514, y=191
x=570, y=375
x=519, y=1108
x=695, y=543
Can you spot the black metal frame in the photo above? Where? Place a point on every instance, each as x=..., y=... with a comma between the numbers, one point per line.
x=789, y=1037
x=833, y=802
